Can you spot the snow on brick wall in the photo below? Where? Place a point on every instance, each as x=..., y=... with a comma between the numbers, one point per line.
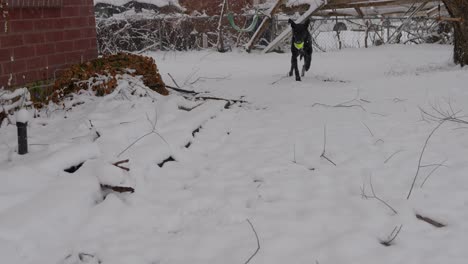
x=36, y=42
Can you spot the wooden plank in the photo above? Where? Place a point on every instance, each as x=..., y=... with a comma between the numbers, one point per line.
x=264, y=25
x=359, y=11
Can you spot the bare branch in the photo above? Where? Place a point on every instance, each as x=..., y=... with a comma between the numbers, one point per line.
x=153, y=131
x=181, y=90
x=372, y=134
x=389, y=241
x=392, y=155
x=173, y=80
x=258, y=242
x=421, y=155
x=325, y=145
x=433, y=170
x=374, y=196
x=117, y=164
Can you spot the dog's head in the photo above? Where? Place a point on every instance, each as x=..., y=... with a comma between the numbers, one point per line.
x=300, y=33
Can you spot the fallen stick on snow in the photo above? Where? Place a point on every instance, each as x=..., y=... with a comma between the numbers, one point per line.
x=119, y=189
x=117, y=164
x=325, y=145
x=181, y=90
x=429, y=221
x=389, y=241
x=258, y=242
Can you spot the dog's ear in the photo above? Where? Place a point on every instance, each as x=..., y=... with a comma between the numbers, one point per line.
x=291, y=22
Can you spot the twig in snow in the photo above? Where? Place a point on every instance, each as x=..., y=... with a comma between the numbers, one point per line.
x=370, y=131
x=182, y=90
x=374, y=196
x=325, y=145
x=444, y=115
x=117, y=164
x=153, y=131
x=391, y=156
x=345, y=104
x=258, y=242
x=279, y=80
x=209, y=78
x=119, y=189
x=421, y=155
x=429, y=221
x=340, y=105
x=389, y=241
x=173, y=80
x=433, y=170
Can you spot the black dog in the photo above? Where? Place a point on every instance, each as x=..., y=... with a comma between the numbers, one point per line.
x=301, y=45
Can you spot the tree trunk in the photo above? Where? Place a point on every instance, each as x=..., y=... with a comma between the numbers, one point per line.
x=459, y=9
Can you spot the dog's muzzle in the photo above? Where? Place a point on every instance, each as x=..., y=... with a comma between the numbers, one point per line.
x=299, y=45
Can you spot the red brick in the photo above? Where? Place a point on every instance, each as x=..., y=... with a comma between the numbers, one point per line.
x=72, y=34
x=5, y=55
x=11, y=41
x=86, y=11
x=36, y=63
x=92, y=21
x=93, y=43
x=14, y=14
x=65, y=22
x=26, y=77
x=54, y=36
x=21, y=26
x=4, y=81
x=45, y=49
x=90, y=54
x=34, y=38
x=81, y=44
x=75, y=57
x=88, y=32
x=43, y=24
x=18, y=66
x=31, y=13
x=24, y=52
x=74, y=2
x=70, y=11
x=56, y=59
x=78, y=22
x=52, y=12
x=64, y=46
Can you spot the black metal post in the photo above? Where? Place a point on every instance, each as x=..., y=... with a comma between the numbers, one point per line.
x=22, y=138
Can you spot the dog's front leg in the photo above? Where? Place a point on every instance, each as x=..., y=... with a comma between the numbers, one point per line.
x=295, y=67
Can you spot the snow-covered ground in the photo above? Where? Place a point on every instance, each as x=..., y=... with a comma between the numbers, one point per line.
x=259, y=161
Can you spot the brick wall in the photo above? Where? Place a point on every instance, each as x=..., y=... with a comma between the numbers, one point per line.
x=38, y=38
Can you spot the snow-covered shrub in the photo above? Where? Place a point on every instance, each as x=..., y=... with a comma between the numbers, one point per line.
x=101, y=77
x=10, y=101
